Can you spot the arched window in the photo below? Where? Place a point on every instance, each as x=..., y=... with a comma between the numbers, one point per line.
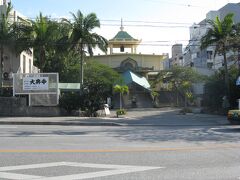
x=129, y=64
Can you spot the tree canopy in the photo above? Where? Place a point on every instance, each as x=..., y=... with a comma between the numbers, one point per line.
x=218, y=34
x=83, y=39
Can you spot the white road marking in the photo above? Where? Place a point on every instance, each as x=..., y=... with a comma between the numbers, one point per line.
x=18, y=176
x=114, y=170
x=98, y=174
x=32, y=166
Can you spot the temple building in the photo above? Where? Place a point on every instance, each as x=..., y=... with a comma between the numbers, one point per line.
x=137, y=69
x=123, y=56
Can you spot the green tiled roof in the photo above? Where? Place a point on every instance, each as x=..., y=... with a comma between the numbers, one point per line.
x=123, y=36
x=130, y=77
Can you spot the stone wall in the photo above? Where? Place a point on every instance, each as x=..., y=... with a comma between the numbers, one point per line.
x=17, y=106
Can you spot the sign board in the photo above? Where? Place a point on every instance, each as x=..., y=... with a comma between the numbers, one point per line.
x=238, y=81
x=35, y=83
x=41, y=88
x=106, y=109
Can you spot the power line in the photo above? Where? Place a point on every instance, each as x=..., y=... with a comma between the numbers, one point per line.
x=137, y=25
x=177, y=4
x=151, y=26
x=69, y=43
x=151, y=22
x=133, y=22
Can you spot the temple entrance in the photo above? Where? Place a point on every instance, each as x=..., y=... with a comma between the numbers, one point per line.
x=139, y=95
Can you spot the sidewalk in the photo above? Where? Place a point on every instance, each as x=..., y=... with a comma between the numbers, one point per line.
x=134, y=117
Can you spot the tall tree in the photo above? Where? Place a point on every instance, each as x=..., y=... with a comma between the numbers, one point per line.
x=83, y=39
x=218, y=34
x=43, y=33
x=6, y=38
x=59, y=56
x=48, y=38
x=235, y=40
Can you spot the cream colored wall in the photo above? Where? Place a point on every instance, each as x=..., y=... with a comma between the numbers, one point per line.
x=12, y=63
x=142, y=60
x=28, y=62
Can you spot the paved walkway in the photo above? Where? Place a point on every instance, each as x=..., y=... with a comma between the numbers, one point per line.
x=134, y=117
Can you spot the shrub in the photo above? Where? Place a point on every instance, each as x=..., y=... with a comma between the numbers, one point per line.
x=70, y=101
x=215, y=91
x=121, y=112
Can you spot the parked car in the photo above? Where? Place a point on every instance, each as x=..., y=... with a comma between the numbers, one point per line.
x=234, y=116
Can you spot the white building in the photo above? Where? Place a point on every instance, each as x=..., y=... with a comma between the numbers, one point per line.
x=204, y=60
x=177, y=55
x=13, y=62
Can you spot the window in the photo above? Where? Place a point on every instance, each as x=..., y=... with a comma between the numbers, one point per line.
x=209, y=54
x=198, y=54
x=30, y=66
x=24, y=64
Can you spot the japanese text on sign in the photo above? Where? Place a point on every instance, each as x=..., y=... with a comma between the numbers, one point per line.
x=35, y=83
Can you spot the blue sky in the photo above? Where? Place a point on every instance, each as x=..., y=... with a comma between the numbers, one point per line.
x=169, y=12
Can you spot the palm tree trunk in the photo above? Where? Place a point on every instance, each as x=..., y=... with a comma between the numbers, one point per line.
x=42, y=59
x=185, y=101
x=120, y=94
x=81, y=66
x=1, y=70
x=226, y=76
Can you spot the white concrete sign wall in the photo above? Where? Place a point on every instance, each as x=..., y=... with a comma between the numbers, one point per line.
x=35, y=83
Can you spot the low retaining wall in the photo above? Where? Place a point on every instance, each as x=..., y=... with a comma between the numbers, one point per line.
x=17, y=106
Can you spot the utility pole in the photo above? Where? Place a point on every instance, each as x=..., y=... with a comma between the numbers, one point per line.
x=238, y=61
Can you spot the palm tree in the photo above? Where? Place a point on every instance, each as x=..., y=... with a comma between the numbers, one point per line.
x=6, y=38
x=235, y=39
x=43, y=33
x=121, y=90
x=82, y=37
x=218, y=34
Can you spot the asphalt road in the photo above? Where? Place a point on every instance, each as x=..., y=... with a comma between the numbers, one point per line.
x=122, y=153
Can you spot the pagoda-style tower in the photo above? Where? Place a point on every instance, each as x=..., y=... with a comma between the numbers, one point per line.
x=123, y=40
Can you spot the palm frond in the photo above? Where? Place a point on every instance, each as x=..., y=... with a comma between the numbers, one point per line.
x=82, y=35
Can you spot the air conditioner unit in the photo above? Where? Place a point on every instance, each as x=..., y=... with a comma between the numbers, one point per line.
x=5, y=75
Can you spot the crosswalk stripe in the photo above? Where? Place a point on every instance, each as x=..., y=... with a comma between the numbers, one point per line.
x=15, y=176
x=113, y=170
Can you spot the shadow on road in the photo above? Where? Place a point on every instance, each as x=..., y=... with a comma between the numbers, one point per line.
x=146, y=134
x=165, y=126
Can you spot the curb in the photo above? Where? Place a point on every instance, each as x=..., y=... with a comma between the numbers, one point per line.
x=104, y=124
x=61, y=123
